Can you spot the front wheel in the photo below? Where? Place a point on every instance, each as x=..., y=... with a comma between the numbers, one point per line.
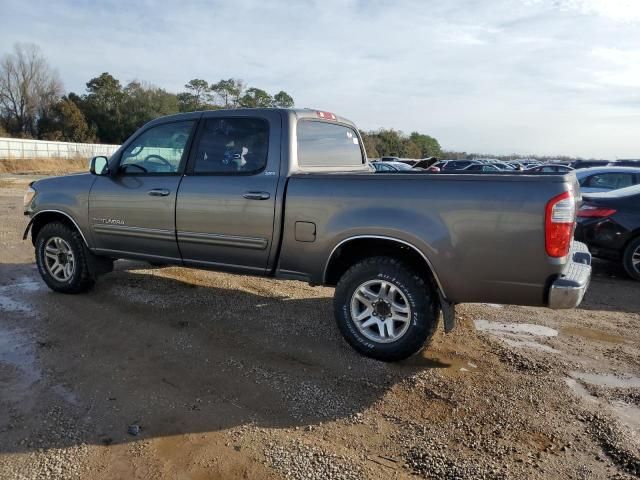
x=62, y=259
x=631, y=259
x=384, y=310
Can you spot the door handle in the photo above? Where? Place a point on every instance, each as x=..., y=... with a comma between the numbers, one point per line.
x=159, y=192
x=256, y=195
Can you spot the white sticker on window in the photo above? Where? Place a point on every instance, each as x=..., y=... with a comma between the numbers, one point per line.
x=349, y=134
x=355, y=140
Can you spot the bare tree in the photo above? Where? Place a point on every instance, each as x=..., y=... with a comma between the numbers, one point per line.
x=28, y=89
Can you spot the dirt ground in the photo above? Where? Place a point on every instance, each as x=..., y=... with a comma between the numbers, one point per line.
x=170, y=373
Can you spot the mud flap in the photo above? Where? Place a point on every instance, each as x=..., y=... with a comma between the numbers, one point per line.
x=97, y=265
x=448, y=313
x=26, y=230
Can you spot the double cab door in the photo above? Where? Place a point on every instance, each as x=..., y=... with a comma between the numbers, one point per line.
x=200, y=190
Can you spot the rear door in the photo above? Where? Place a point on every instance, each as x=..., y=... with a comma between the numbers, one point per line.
x=132, y=212
x=226, y=202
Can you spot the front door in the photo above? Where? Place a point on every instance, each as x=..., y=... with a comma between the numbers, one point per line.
x=226, y=201
x=132, y=212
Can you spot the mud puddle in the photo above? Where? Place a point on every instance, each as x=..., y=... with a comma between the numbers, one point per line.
x=17, y=351
x=519, y=335
x=627, y=414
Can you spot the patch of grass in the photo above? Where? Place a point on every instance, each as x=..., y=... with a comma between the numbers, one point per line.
x=44, y=166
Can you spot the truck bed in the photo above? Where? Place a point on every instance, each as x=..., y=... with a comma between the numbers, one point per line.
x=482, y=234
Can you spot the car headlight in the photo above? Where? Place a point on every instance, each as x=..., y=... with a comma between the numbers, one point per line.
x=28, y=196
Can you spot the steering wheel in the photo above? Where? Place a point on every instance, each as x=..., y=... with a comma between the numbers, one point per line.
x=128, y=165
x=162, y=161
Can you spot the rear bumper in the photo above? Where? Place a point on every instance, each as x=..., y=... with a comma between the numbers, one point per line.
x=569, y=288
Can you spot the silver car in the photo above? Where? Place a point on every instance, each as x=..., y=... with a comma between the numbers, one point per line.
x=604, y=179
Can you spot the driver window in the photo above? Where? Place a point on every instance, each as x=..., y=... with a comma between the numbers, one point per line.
x=158, y=150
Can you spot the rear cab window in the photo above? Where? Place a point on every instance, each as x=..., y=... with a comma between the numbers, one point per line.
x=324, y=144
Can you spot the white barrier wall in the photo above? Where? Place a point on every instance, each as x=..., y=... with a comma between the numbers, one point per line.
x=18, y=148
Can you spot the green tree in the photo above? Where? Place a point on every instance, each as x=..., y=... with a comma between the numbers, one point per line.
x=104, y=107
x=229, y=92
x=411, y=150
x=390, y=142
x=370, y=142
x=66, y=123
x=198, y=96
x=427, y=145
x=256, y=98
x=283, y=100
x=143, y=102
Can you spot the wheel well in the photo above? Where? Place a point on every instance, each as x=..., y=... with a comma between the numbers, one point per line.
x=353, y=251
x=49, y=217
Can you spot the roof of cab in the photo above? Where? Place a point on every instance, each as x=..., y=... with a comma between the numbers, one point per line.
x=296, y=112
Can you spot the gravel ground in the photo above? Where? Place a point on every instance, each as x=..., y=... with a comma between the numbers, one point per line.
x=176, y=373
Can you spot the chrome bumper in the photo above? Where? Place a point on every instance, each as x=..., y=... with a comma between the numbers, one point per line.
x=569, y=288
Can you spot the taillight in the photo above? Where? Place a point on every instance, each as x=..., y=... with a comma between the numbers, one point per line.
x=559, y=223
x=592, y=211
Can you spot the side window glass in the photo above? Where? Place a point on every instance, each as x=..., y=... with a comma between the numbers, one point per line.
x=327, y=144
x=232, y=146
x=158, y=150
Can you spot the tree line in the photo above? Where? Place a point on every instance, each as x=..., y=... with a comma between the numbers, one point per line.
x=33, y=103
x=394, y=143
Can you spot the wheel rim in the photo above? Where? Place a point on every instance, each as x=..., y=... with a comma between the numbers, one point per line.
x=59, y=259
x=635, y=259
x=380, y=311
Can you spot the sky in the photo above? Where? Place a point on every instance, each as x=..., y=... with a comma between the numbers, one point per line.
x=544, y=77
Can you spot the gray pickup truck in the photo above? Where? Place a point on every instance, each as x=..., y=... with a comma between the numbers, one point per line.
x=290, y=194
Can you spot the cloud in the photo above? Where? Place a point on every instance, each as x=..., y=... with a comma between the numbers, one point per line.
x=530, y=76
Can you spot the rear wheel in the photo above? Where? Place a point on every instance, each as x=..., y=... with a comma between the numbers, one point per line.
x=631, y=259
x=62, y=259
x=385, y=310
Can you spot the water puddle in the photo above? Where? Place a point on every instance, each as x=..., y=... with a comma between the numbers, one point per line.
x=515, y=328
x=519, y=335
x=607, y=379
x=18, y=351
x=8, y=294
x=627, y=414
x=592, y=334
x=66, y=394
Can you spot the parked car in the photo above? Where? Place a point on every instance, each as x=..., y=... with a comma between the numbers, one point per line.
x=456, y=164
x=503, y=166
x=481, y=167
x=609, y=223
x=288, y=194
x=625, y=163
x=602, y=179
x=580, y=164
x=393, y=167
x=550, y=168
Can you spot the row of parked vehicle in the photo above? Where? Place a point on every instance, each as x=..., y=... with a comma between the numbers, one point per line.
x=609, y=217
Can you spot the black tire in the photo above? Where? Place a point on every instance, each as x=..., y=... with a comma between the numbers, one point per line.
x=81, y=279
x=419, y=295
x=627, y=258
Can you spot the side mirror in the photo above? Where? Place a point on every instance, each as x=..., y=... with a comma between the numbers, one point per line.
x=99, y=165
